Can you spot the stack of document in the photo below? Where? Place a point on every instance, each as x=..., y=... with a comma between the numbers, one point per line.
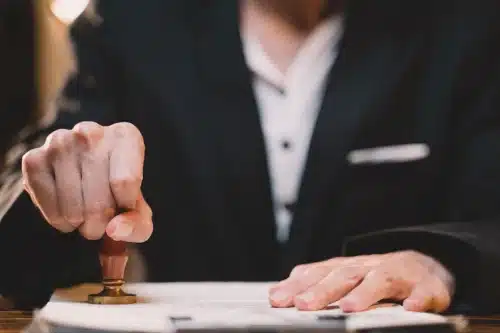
x=169, y=307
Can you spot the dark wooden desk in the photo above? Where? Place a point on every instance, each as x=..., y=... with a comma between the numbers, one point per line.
x=485, y=324
x=13, y=321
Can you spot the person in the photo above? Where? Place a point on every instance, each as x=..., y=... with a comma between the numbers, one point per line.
x=354, y=144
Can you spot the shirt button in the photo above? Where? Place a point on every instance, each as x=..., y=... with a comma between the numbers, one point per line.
x=286, y=144
x=290, y=207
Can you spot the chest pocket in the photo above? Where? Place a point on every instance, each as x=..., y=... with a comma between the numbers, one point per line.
x=391, y=162
x=380, y=195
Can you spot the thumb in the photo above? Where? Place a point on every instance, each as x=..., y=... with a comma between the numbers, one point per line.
x=419, y=300
x=135, y=226
x=428, y=295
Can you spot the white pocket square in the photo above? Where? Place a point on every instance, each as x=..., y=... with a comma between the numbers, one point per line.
x=389, y=154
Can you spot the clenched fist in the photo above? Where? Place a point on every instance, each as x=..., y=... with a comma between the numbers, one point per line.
x=421, y=282
x=89, y=178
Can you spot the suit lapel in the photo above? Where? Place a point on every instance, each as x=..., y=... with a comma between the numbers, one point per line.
x=232, y=113
x=367, y=68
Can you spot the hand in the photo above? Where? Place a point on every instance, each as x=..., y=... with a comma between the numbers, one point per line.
x=359, y=282
x=80, y=177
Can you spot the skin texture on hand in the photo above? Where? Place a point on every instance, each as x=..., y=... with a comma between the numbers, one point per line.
x=81, y=178
x=356, y=283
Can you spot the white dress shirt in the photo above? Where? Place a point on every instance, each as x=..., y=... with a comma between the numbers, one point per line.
x=288, y=105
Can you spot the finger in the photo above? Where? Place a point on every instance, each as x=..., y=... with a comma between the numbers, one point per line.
x=62, y=151
x=126, y=164
x=420, y=299
x=377, y=285
x=428, y=295
x=134, y=226
x=331, y=288
x=297, y=270
x=285, y=292
x=39, y=180
x=99, y=204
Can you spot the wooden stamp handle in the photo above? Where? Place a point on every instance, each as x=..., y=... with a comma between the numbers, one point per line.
x=113, y=257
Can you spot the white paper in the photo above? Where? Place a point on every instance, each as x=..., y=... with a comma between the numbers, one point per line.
x=210, y=305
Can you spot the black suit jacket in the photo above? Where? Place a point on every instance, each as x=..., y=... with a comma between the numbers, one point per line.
x=407, y=72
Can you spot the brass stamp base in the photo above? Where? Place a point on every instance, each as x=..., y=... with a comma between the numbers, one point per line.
x=112, y=293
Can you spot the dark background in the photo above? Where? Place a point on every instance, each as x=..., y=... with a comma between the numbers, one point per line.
x=17, y=67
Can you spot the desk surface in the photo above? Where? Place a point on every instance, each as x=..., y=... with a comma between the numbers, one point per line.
x=485, y=325
x=15, y=321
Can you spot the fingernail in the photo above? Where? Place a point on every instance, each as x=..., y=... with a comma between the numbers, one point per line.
x=121, y=231
x=279, y=296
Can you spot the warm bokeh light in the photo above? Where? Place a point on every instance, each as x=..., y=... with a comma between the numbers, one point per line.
x=68, y=10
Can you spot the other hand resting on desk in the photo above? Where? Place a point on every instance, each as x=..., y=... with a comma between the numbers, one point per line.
x=359, y=282
x=79, y=178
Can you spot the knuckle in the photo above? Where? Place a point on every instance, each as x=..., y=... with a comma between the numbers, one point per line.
x=59, y=137
x=392, y=283
x=386, y=276
x=87, y=127
x=89, y=132
x=352, y=273
x=409, y=254
x=33, y=160
x=299, y=270
x=58, y=142
x=126, y=130
x=383, y=275
x=317, y=270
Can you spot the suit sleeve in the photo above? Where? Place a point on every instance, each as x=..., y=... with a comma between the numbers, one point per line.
x=37, y=259
x=467, y=240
